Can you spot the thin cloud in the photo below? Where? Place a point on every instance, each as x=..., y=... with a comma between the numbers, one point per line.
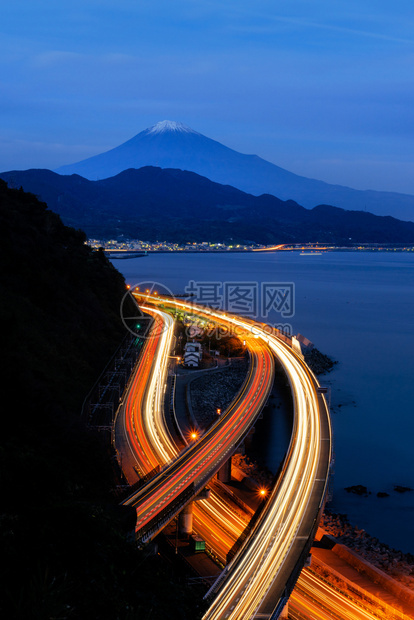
x=344, y=29
x=309, y=24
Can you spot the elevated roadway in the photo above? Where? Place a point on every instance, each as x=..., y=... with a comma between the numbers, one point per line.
x=259, y=579
x=139, y=447
x=180, y=481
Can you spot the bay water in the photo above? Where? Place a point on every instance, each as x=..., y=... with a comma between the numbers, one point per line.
x=358, y=308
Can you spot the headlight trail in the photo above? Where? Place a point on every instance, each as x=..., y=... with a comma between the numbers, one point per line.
x=256, y=568
x=314, y=598
x=298, y=497
x=202, y=460
x=137, y=421
x=149, y=423
x=215, y=520
x=257, y=575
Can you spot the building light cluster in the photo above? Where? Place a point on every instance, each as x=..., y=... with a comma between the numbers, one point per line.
x=136, y=245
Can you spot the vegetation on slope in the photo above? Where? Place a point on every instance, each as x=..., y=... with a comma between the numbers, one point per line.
x=64, y=552
x=179, y=206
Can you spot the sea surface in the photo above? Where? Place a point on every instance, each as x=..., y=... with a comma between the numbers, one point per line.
x=359, y=309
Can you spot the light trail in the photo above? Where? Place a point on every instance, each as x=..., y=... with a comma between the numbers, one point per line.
x=202, y=460
x=138, y=449
x=315, y=599
x=216, y=522
x=256, y=573
x=208, y=515
x=158, y=435
x=149, y=422
x=312, y=597
x=255, y=570
x=269, y=249
x=134, y=425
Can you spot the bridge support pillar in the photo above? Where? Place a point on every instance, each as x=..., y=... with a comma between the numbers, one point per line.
x=241, y=448
x=249, y=437
x=185, y=520
x=224, y=473
x=284, y=613
x=204, y=494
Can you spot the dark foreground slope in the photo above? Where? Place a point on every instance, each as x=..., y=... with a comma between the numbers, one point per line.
x=63, y=552
x=175, y=205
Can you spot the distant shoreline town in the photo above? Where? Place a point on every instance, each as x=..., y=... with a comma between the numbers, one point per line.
x=135, y=246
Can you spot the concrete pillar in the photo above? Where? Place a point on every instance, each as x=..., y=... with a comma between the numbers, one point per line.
x=241, y=449
x=204, y=494
x=249, y=438
x=185, y=520
x=151, y=548
x=284, y=613
x=224, y=473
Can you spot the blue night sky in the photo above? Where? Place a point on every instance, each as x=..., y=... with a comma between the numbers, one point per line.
x=324, y=89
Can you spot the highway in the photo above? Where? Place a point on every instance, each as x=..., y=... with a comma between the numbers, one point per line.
x=143, y=438
x=253, y=584
x=315, y=599
x=137, y=443
x=312, y=598
x=191, y=470
x=256, y=578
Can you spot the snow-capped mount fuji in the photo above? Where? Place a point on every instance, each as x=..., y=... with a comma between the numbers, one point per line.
x=170, y=144
x=164, y=126
x=167, y=144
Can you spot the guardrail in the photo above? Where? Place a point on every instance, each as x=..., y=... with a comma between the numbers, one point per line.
x=165, y=515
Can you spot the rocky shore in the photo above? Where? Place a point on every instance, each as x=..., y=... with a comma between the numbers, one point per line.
x=318, y=362
x=262, y=476
x=395, y=563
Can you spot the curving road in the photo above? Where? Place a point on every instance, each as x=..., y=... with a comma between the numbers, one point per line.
x=199, y=462
x=138, y=445
x=254, y=583
x=257, y=582
x=315, y=599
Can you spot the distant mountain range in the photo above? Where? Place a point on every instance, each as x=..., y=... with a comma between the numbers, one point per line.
x=173, y=145
x=174, y=205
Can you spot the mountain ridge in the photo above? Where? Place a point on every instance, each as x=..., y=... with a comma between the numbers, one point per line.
x=153, y=203
x=170, y=144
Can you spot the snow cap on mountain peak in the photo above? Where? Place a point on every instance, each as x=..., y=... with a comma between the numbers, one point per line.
x=166, y=126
